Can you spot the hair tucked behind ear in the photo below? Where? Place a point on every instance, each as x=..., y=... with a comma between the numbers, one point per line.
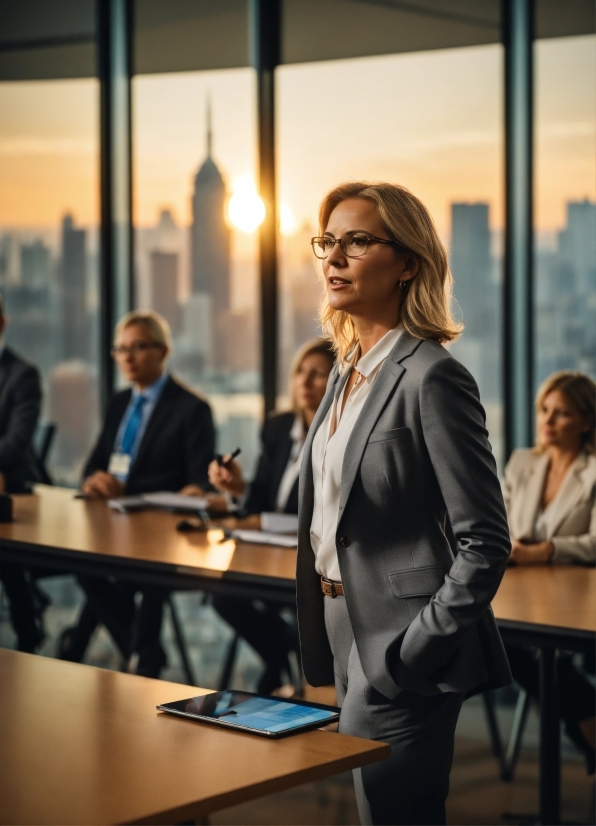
x=426, y=303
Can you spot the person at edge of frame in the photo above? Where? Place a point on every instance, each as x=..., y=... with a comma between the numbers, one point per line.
x=550, y=496
x=20, y=406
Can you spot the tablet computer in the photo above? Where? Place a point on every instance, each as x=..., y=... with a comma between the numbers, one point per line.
x=257, y=713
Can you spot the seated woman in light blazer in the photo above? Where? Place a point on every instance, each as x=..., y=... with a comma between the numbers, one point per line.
x=550, y=495
x=402, y=530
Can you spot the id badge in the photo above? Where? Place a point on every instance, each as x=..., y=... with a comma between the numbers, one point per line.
x=119, y=465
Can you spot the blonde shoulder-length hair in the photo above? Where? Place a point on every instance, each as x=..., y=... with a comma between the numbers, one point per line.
x=320, y=346
x=579, y=391
x=426, y=303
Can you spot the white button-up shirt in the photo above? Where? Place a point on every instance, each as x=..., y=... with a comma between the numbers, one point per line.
x=328, y=455
x=292, y=471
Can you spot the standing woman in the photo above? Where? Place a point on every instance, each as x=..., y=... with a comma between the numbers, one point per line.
x=403, y=535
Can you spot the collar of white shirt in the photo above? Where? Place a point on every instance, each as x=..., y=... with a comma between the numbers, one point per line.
x=297, y=430
x=366, y=365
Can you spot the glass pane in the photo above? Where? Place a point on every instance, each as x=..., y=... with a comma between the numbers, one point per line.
x=196, y=216
x=565, y=239
x=431, y=121
x=48, y=251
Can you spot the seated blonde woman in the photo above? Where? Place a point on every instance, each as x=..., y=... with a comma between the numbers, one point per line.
x=275, y=488
x=551, y=506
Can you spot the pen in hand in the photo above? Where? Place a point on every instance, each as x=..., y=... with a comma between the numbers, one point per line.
x=220, y=457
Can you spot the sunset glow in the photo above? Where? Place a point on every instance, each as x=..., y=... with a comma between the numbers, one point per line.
x=246, y=209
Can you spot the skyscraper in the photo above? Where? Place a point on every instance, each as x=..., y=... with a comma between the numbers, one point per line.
x=566, y=296
x=477, y=295
x=35, y=265
x=73, y=273
x=210, y=247
x=470, y=263
x=163, y=281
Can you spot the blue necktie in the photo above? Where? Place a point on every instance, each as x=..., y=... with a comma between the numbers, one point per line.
x=132, y=426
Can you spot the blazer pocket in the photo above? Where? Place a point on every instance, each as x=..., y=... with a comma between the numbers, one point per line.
x=386, y=435
x=417, y=582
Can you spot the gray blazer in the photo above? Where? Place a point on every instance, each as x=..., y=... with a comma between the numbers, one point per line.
x=422, y=534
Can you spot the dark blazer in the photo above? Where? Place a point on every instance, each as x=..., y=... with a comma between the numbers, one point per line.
x=276, y=448
x=418, y=467
x=20, y=405
x=176, y=447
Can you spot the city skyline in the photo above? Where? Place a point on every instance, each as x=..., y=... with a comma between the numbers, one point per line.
x=446, y=147
x=432, y=121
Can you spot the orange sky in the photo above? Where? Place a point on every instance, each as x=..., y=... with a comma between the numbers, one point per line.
x=431, y=121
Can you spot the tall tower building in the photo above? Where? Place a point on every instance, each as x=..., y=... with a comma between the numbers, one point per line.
x=74, y=290
x=163, y=283
x=470, y=262
x=35, y=265
x=476, y=294
x=577, y=245
x=210, y=247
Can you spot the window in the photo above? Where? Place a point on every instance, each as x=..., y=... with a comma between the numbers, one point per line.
x=48, y=218
x=565, y=237
x=431, y=121
x=196, y=211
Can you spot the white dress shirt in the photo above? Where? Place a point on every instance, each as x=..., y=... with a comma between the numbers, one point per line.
x=292, y=471
x=328, y=454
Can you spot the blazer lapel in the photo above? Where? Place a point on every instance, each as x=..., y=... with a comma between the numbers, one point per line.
x=158, y=419
x=529, y=503
x=305, y=485
x=5, y=360
x=389, y=376
x=568, y=496
x=282, y=457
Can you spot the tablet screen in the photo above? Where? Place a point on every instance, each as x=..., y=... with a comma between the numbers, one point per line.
x=266, y=714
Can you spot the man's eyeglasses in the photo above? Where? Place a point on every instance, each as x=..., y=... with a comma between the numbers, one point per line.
x=134, y=349
x=352, y=244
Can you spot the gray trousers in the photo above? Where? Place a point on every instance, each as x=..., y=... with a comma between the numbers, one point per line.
x=411, y=786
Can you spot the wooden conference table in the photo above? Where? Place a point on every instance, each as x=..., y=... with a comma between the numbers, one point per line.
x=551, y=607
x=52, y=529
x=83, y=745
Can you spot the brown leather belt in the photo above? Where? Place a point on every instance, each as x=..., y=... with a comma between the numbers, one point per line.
x=331, y=589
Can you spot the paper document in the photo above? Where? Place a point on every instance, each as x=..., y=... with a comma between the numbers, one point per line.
x=175, y=500
x=279, y=523
x=263, y=538
x=126, y=504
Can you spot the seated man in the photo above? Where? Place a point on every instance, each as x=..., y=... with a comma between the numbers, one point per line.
x=157, y=436
x=20, y=404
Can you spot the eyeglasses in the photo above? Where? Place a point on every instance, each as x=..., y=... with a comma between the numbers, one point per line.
x=134, y=349
x=352, y=244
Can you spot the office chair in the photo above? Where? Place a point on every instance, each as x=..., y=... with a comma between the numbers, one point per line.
x=507, y=760
x=43, y=439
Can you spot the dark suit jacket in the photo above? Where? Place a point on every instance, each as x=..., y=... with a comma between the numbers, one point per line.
x=176, y=447
x=276, y=449
x=20, y=405
x=417, y=463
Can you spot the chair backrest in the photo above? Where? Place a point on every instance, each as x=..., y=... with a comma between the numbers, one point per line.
x=42, y=442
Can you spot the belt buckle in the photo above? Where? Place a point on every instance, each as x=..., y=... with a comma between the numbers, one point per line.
x=333, y=590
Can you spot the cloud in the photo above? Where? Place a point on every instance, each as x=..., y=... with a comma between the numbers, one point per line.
x=15, y=147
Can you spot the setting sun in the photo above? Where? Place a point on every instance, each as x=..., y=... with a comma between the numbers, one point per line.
x=246, y=210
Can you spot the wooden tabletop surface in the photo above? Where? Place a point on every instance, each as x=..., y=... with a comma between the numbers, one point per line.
x=83, y=745
x=53, y=519
x=561, y=596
